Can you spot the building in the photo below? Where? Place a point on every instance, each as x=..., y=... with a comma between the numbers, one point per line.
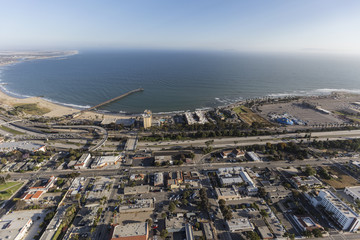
x=131, y=231
x=189, y=118
x=265, y=232
x=252, y=156
x=136, y=190
x=239, y=224
x=175, y=179
x=341, y=213
x=35, y=192
x=229, y=176
x=251, y=188
x=83, y=162
x=208, y=231
x=175, y=224
x=162, y=159
x=137, y=177
x=103, y=161
x=21, y=146
x=16, y=225
x=310, y=181
x=139, y=205
x=147, y=119
x=306, y=222
x=353, y=192
x=227, y=193
x=276, y=193
x=236, y=153
x=158, y=179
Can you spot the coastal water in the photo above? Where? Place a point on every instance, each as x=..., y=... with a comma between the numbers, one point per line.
x=177, y=80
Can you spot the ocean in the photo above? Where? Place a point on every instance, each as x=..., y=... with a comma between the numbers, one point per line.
x=178, y=80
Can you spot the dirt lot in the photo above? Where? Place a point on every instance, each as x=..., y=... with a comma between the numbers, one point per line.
x=248, y=116
x=343, y=180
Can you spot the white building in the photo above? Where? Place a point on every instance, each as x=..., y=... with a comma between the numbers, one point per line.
x=131, y=230
x=24, y=145
x=354, y=192
x=251, y=188
x=158, y=179
x=239, y=224
x=252, y=156
x=103, y=161
x=16, y=225
x=83, y=162
x=342, y=213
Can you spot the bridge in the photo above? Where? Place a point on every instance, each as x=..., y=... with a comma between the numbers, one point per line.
x=114, y=99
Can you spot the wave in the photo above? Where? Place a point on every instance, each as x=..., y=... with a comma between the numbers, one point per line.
x=81, y=107
x=315, y=92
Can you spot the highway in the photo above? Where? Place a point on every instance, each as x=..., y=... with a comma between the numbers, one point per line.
x=245, y=141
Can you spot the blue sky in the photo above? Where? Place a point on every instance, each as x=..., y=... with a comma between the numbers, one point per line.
x=252, y=25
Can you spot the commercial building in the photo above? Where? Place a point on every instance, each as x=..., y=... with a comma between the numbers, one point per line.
x=306, y=222
x=139, y=205
x=189, y=118
x=276, y=193
x=236, y=153
x=35, y=192
x=175, y=224
x=15, y=225
x=239, y=224
x=229, y=176
x=103, y=161
x=147, y=119
x=341, y=213
x=310, y=181
x=353, y=192
x=251, y=188
x=24, y=145
x=158, y=179
x=175, y=179
x=136, y=190
x=83, y=162
x=227, y=193
x=131, y=231
x=265, y=232
x=208, y=231
x=252, y=156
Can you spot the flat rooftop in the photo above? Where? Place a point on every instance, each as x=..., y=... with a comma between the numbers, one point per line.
x=130, y=230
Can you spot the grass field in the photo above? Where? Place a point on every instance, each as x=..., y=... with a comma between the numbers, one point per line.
x=343, y=179
x=31, y=108
x=11, y=188
x=9, y=130
x=248, y=116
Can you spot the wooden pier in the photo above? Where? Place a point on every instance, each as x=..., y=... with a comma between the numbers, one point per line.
x=114, y=99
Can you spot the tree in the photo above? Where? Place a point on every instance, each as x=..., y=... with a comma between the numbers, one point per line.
x=172, y=207
x=78, y=197
x=164, y=233
x=309, y=171
x=264, y=213
x=252, y=236
x=149, y=221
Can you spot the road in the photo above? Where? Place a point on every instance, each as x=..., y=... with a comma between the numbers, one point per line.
x=150, y=169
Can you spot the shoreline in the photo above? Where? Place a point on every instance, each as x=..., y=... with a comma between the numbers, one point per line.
x=59, y=109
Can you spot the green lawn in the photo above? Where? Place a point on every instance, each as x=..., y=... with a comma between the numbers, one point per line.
x=11, y=187
x=9, y=130
x=8, y=184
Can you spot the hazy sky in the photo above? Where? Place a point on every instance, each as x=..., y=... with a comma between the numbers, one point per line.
x=252, y=25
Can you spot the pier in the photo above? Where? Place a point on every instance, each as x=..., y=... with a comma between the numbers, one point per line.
x=114, y=99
